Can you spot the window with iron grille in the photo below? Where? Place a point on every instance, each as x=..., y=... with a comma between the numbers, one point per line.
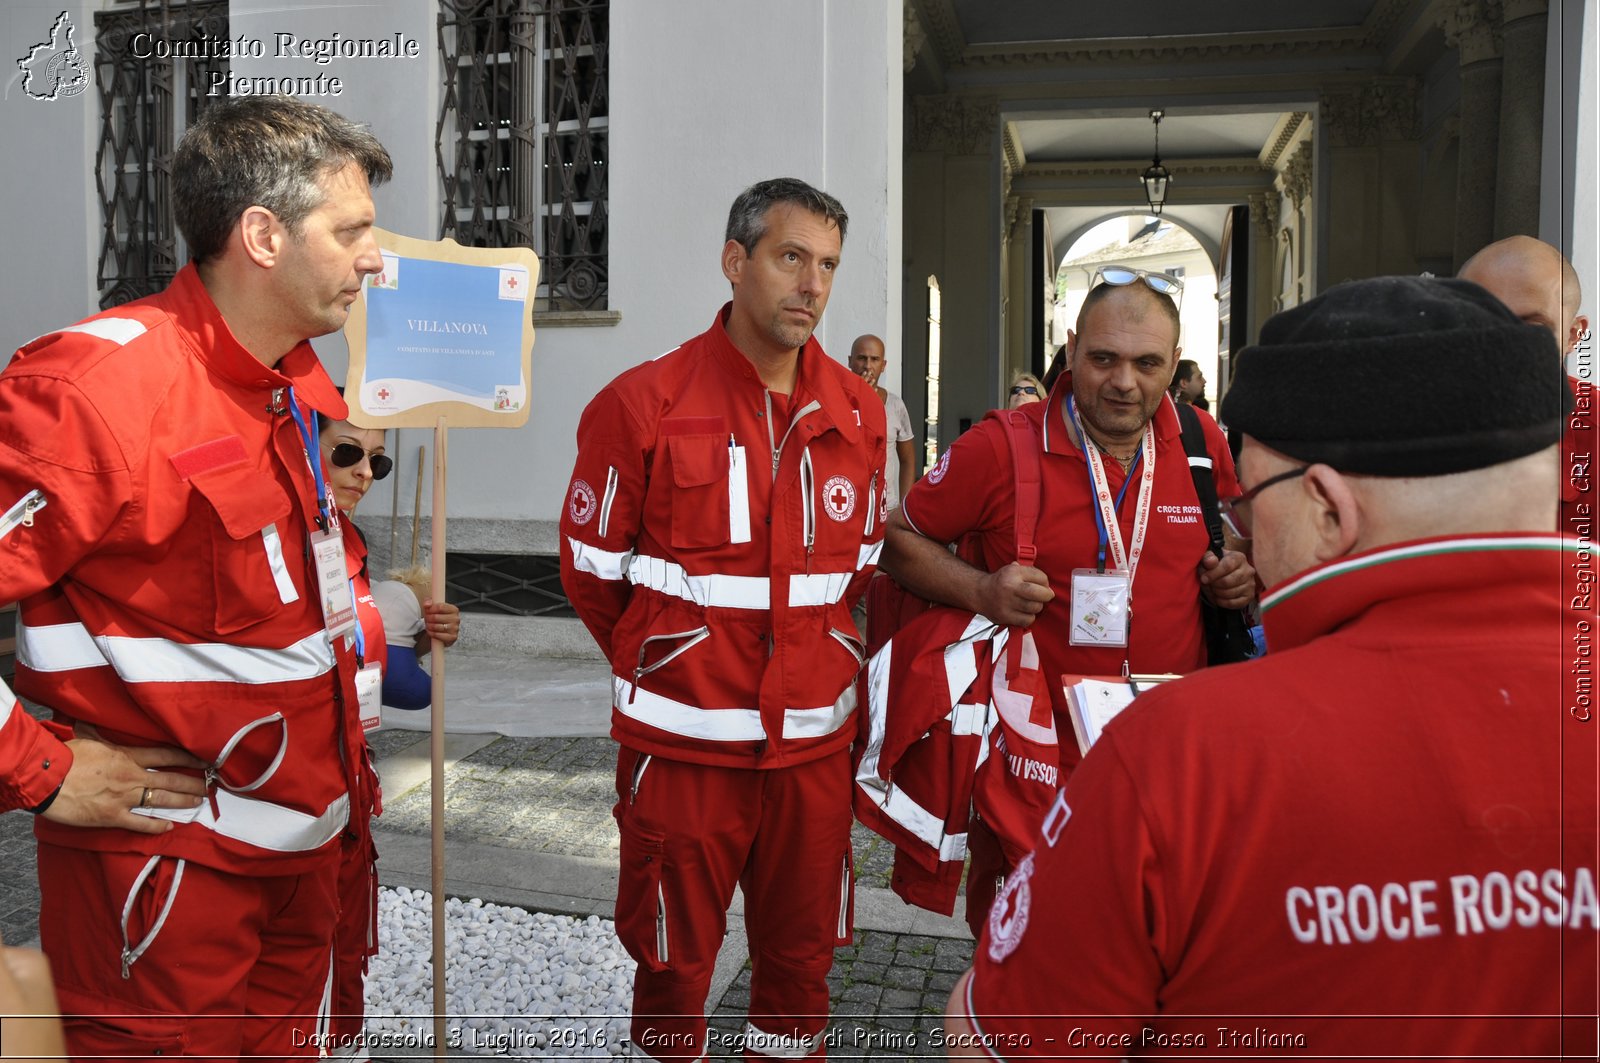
x=507, y=584
x=521, y=140
x=146, y=102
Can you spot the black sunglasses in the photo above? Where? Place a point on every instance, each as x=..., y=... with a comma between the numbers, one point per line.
x=1025, y=389
x=344, y=455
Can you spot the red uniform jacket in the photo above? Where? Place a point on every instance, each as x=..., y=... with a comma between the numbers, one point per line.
x=714, y=538
x=167, y=593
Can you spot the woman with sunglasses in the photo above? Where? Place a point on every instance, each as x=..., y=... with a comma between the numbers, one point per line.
x=1025, y=388
x=353, y=459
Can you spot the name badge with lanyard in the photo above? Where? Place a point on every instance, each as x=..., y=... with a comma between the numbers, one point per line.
x=327, y=542
x=1102, y=598
x=369, y=681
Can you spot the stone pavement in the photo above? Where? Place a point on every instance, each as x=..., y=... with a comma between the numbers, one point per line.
x=528, y=823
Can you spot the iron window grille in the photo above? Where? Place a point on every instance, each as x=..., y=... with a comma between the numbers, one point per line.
x=521, y=141
x=508, y=584
x=145, y=104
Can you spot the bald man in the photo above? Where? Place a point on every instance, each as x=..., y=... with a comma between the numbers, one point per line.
x=1539, y=285
x=867, y=361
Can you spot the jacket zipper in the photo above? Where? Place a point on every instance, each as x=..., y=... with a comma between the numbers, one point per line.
x=661, y=924
x=872, y=504
x=638, y=777
x=808, y=515
x=611, y=496
x=777, y=444
x=21, y=514
x=694, y=638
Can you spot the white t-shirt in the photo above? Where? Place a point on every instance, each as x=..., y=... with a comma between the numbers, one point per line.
x=401, y=612
x=899, y=422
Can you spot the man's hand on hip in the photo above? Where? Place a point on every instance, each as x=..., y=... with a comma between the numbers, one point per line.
x=1016, y=595
x=1227, y=582
x=106, y=782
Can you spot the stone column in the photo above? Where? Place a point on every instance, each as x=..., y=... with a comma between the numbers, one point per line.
x=1516, y=202
x=1472, y=27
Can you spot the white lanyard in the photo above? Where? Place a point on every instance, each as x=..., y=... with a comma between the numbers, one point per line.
x=1120, y=558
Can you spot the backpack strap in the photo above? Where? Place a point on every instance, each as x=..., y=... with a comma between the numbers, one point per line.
x=1200, y=468
x=1027, y=483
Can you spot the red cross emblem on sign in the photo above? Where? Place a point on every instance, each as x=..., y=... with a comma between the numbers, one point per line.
x=511, y=282
x=383, y=394
x=840, y=498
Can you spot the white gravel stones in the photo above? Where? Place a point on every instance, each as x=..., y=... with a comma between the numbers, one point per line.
x=522, y=985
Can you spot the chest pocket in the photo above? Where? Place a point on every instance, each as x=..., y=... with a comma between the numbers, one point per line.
x=249, y=562
x=700, y=489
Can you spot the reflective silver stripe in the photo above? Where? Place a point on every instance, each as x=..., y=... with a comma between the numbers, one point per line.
x=597, y=562
x=8, y=701
x=725, y=725
x=778, y=1045
x=898, y=806
x=713, y=591
x=869, y=555
x=118, y=330
x=66, y=647
x=280, y=571
x=1199, y=461
x=819, y=588
x=260, y=823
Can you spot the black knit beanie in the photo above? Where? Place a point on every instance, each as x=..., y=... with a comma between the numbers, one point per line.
x=1400, y=376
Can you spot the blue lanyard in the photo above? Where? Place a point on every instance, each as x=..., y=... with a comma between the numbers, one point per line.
x=1094, y=488
x=313, y=458
x=361, y=636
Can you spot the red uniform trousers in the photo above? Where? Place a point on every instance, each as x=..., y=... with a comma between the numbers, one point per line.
x=689, y=833
x=356, y=936
x=235, y=965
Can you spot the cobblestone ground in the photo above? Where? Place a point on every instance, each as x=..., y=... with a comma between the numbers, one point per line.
x=887, y=994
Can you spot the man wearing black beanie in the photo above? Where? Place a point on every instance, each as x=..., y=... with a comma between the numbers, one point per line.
x=1380, y=839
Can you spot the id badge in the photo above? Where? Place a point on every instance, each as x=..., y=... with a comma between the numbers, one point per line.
x=369, y=696
x=1100, y=602
x=333, y=583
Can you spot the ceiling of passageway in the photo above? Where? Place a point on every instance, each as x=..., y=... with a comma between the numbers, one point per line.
x=1184, y=134
x=1011, y=21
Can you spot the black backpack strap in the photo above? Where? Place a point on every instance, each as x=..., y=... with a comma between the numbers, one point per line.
x=1200, y=468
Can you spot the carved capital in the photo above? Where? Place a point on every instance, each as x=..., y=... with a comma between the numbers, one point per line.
x=1472, y=27
x=1295, y=181
x=955, y=125
x=1385, y=109
x=1019, y=217
x=915, y=37
x=1263, y=214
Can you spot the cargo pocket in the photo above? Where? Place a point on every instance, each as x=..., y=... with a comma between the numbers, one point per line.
x=124, y=1036
x=642, y=924
x=245, y=555
x=700, y=499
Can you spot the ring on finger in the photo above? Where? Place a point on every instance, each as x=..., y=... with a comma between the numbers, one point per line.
x=144, y=798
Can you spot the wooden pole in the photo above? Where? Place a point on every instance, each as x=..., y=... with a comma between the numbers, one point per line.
x=416, y=506
x=440, y=997
x=394, y=509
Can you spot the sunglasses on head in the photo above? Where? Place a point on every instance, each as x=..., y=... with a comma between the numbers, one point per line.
x=1118, y=276
x=344, y=455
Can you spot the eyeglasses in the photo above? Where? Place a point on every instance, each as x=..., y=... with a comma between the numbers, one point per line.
x=1234, y=514
x=344, y=455
x=1119, y=276
x=1025, y=389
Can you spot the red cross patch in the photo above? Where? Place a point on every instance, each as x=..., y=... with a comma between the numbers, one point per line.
x=940, y=467
x=1008, y=918
x=581, y=503
x=383, y=394
x=839, y=498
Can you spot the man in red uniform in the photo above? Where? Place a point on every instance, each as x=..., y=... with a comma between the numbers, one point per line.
x=725, y=513
x=1363, y=844
x=1121, y=360
x=165, y=534
x=1539, y=285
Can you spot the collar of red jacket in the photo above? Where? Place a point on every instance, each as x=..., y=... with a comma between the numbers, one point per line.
x=1057, y=439
x=817, y=378
x=197, y=319
x=1507, y=579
